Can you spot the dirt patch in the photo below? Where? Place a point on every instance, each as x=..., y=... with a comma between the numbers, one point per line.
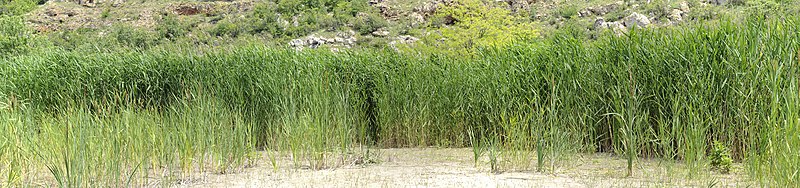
x=431, y=167
x=62, y=16
x=210, y=8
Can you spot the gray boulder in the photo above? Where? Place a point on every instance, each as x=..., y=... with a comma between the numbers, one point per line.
x=637, y=20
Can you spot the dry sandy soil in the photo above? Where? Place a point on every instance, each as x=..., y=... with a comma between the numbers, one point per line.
x=432, y=167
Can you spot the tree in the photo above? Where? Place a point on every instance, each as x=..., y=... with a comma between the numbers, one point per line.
x=475, y=23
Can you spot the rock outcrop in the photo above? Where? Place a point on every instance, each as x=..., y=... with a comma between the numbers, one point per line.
x=342, y=39
x=209, y=8
x=636, y=20
x=403, y=39
x=601, y=10
x=618, y=28
x=381, y=32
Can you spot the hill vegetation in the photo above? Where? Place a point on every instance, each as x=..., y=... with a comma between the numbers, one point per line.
x=342, y=24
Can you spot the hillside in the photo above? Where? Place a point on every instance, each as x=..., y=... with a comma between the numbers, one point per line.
x=339, y=24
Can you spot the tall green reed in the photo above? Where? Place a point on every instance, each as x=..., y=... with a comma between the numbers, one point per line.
x=665, y=93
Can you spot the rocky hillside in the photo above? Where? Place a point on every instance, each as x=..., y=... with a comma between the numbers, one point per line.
x=367, y=23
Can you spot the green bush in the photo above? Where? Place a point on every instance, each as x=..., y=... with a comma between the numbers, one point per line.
x=296, y=18
x=106, y=13
x=17, y=7
x=171, y=27
x=71, y=39
x=367, y=23
x=227, y=28
x=328, y=21
x=344, y=11
x=290, y=7
x=293, y=7
x=762, y=6
x=568, y=11
x=478, y=24
x=133, y=37
x=14, y=35
x=721, y=158
x=306, y=23
x=700, y=13
x=658, y=8
x=614, y=16
x=265, y=19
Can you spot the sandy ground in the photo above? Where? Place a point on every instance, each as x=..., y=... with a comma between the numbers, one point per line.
x=432, y=167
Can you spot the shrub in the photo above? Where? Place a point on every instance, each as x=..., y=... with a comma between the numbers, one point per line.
x=17, y=7
x=762, y=6
x=721, y=158
x=227, y=28
x=132, y=37
x=568, y=11
x=658, y=8
x=476, y=24
x=367, y=23
x=106, y=13
x=14, y=35
x=295, y=18
x=171, y=27
x=278, y=19
x=615, y=15
x=306, y=23
x=344, y=11
x=290, y=7
x=328, y=21
x=265, y=19
x=70, y=39
x=700, y=13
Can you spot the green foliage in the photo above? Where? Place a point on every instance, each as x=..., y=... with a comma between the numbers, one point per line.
x=69, y=39
x=290, y=6
x=227, y=28
x=305, y=24
x=285, y=19
x=299, y=6
x=106, y=13
x=477, y=24
x=133, y=37
x=533, y=11
x=763, y=6
x=17, y=7
x=327, y=21
x=660, y=9
x=703, y=13
x=267, y=20
x=368, y=23
x=720, y=158
x=296, y=18
x=14, y=35
x=614, y=16
x=346, y=10
x=372, y=43
x=171, y=27
x=567, y=11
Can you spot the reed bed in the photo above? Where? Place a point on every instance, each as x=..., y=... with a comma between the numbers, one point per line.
x=122, y=118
